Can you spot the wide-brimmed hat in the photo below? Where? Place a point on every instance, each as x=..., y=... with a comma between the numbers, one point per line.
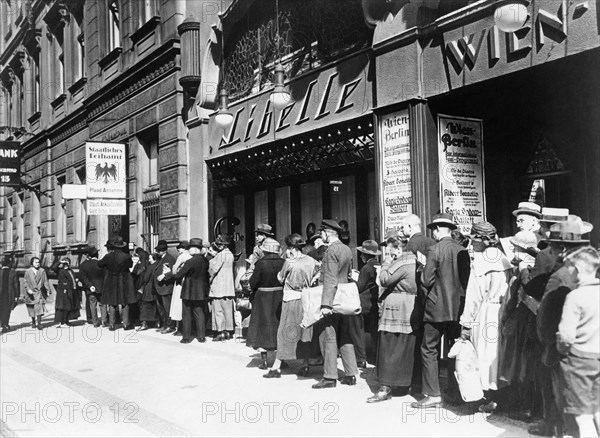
x=484, y=230
x=554, y=215
x=525, y=240
x=391, y=234
x=569, y=231
x=223, y=239
x=195, y=242
x=586, y=227
x=270, y=245
x=369, y=247
x=183, y=244
x=530, y=208
x=330, y=224
x=265, y=229
x=118, y=242
x=442, y=220
x=161, y=246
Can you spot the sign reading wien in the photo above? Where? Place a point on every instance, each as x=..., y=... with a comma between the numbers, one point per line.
x=10, y=163
x=106, y=177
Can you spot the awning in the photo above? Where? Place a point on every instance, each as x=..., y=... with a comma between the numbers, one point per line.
x=339, y=146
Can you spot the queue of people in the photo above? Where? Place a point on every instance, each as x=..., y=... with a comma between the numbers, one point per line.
x=530, y=308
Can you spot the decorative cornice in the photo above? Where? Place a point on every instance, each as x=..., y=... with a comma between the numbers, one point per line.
x=65, y=133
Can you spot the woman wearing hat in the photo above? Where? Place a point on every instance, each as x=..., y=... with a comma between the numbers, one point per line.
x=118, y=288
x=176, y=311
x=68, y=297
x=487, y=287
x=266, y=302
x=396, y=347
x=222, y=288
x=293, y=342
x=144, y=284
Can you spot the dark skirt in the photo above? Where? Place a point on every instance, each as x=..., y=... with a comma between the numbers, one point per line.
x=520, y=349
x=395, y=358
x=293, y=342
x=148, y=311
x=264, y=320
x=67, y=305
x=118, y=289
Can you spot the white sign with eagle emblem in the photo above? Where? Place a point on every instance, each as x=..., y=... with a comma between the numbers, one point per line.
x=105, y=170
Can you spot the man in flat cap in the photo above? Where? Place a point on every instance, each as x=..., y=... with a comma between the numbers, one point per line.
x=336, y=265
x=445, y=276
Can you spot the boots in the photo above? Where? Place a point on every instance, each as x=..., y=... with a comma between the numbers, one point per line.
x=39, y=322
x=263, y=361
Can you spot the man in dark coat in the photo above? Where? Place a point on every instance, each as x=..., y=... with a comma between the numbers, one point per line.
x=91, y=277
x=118, y=288
x=164, y=287
x=9, y=292
x=194, y=293
x=418, y=244
x=445, y=275
x=335, y=269
x=68, y=296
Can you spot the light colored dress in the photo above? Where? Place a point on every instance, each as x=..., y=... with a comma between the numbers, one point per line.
x=176, y=304
x=488, y=286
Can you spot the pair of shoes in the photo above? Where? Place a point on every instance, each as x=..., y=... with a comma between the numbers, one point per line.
x=97, y=325
x=185, y=341
x=273, y=374
x=543, y=428
x=112, y=328
x=348, y=380
x=167, y=330
x=33, y=325
x=177, y=333
x=128, y=327
x=303, y=372
x=427, y=402
x=324, y=383
x=59, y=326
x=384, y=393
x=143, y=327
x=362, y=364
x=219, y=338
x=202, y=340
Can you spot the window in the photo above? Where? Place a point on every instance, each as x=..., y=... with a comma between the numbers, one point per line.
x=151, y=209
x=9, y=224
x=80, y=65
x=149, y=143
x=147, y=11
x=35, y=220
x=114, y=26
x=79, y=210
x=60, y=211
x=57, y=85
x=36, y=83
x=19, y=220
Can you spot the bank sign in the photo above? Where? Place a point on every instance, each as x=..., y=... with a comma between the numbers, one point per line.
x=105, y=170
x=10, y=163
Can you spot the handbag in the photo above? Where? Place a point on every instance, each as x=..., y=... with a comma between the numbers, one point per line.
x=467, y=370
x=345, y=302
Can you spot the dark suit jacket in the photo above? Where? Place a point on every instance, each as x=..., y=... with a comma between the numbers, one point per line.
x=265, y=272
x=335, y=267
x=90, y=274
x=194, y=273
x=164, y=287
x=419, y=242
x=445, y=276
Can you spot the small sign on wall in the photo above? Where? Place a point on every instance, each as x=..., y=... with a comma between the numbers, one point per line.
x=96, y=207
x=10, y=163
x=105, y=170
x=336, y=187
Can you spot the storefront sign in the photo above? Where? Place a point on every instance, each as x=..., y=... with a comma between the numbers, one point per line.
x=395, y=179
x=10, y=163
x=460, y=152
x=105, y=170
x=336, y=187
x=96, y=207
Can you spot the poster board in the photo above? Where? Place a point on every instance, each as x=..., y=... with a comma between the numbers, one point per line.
x=106, y=176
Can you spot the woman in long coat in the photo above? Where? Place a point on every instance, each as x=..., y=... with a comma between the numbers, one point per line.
x=145, y=284
x=222, y=288
x=36, y=280
x=266, y=301
x=68, y=298
x=487, y=288
x=9, y=291
x=293, y=342
x=176, y=312
x=118, y=288
x=397, y=338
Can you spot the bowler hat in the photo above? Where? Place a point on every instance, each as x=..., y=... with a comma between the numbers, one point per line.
x=118, y=242
x=265, y=229
x=184, y=244
x=442, y=220
x=530, y=208
x=161, y=246
x=270, y=245
x=554, y=215
x=369, y=247
x=330, y=224
x=568, y=231
x=196, y=242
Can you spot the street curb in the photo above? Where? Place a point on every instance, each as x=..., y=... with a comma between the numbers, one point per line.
x=7, y=432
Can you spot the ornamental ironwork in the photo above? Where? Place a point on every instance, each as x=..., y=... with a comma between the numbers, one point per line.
x=310, y=34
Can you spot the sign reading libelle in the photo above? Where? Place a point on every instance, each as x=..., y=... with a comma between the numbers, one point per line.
x=279, y=97
x=224, y=118
x=510, y=16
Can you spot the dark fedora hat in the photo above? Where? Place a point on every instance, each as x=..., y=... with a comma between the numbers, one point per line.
x=369, y=247
x=330, y=224
x=196, y=242
x=442, y=220
x=265, y=229
x=118, y=242
x=161, y=246
x=183, y=244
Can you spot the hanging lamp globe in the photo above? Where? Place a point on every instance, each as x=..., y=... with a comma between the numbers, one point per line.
x=510, y=16
x=224, y=117
x=279, y=97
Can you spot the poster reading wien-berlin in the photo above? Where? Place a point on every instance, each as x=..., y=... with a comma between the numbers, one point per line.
x=460, y=151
